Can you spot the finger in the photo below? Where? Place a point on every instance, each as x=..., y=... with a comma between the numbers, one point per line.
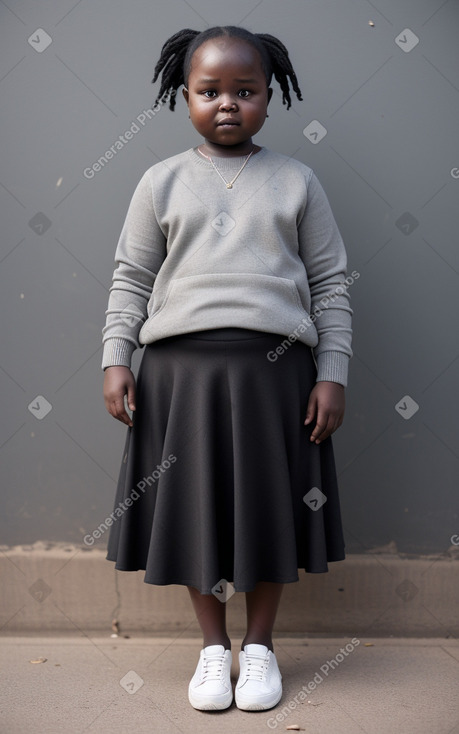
x=321, y=422
x=125, y=418
x=320, y=426
x=323, y=429
x=119, y=412
x=310, y=411
x=131, y=397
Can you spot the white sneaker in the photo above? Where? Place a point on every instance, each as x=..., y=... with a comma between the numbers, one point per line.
x=210, y=687
x=260, y=683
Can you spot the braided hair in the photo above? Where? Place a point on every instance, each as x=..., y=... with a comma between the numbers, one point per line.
x=176, y=54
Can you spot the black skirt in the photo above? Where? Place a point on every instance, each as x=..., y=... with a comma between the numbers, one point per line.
x=219, y=480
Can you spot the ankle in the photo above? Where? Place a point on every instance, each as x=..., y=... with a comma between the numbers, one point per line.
x=225, y=641
x=249, y=641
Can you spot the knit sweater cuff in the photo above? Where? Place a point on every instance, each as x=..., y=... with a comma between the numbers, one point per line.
x=332, y=367
x=117, y=352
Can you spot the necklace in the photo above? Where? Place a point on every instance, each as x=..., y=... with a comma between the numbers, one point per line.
x=228, y=184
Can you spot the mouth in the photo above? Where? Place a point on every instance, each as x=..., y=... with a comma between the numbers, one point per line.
x=227, y=122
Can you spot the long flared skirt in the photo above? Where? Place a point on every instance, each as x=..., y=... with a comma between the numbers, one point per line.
x=219, y=480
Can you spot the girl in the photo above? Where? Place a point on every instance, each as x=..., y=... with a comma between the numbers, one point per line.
x=231, y=271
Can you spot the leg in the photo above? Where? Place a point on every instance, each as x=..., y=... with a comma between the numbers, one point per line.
x=211, y=615
x=262, y=604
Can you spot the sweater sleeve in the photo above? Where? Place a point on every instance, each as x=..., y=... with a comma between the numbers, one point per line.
x=139, y=254
x=323, y=253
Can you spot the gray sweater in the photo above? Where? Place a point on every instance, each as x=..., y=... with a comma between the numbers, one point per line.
x=265, y=255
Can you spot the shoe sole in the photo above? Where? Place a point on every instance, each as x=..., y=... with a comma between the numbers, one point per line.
x=258, y=706
x=218, y=705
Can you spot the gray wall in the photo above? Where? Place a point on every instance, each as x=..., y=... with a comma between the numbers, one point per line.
x=389, y=163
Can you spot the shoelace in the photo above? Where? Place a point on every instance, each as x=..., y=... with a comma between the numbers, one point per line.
x=212, y=667
x=257, y=665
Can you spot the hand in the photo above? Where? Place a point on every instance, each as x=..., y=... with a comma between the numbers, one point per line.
x=119, y=381
x=326, y=404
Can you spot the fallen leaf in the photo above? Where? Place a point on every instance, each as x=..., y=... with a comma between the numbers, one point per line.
x=39, y=660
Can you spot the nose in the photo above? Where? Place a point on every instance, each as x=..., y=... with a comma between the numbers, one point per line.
x=227, y=102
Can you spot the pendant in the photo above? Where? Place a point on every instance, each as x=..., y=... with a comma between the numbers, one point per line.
x=229, y=185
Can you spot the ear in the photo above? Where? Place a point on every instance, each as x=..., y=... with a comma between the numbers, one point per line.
x=270, y=94
x=186, y=94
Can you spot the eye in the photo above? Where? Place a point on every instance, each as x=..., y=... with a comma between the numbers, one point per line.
x=244, y=93
x=209, y=92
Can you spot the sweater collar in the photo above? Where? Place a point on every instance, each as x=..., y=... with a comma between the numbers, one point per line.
x=225, y=164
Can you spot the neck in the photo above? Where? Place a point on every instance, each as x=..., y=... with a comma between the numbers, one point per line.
x=228, y=151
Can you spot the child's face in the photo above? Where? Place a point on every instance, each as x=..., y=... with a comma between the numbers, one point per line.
x=227, y=81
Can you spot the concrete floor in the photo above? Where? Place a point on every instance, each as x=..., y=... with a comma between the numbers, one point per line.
x=98, y=684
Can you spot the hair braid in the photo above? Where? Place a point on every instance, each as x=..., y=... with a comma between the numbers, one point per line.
x=171, y=65
x=281, y=66
x=176, y=54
